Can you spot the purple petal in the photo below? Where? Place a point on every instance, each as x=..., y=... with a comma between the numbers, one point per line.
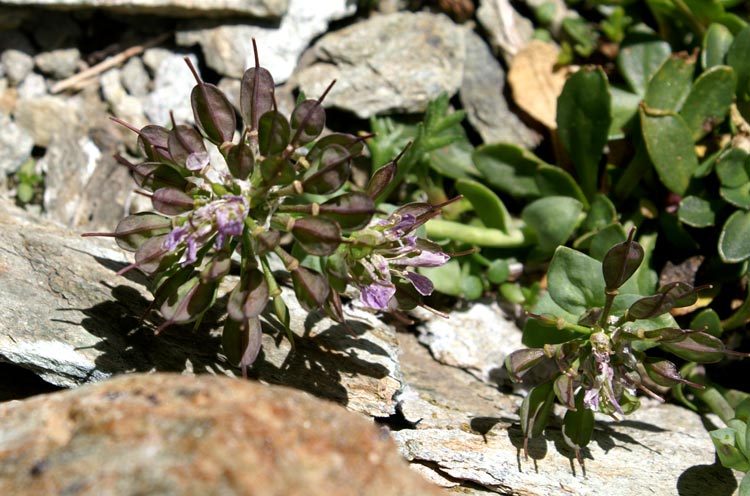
x=377, y=296
x=175, y=237
x=425, y=258
x=191, y=254
x=421, y=283
x=403, y=225
x=591, y=399
x=197, y=161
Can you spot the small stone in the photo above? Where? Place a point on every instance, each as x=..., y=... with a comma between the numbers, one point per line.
x=228, y=49
x=173, y=83
x=508, y=30
x=482, y=97
x=153, y=57
x=60, y=63
x=135, y=77
x=125, y=106
x=15, y=145
x=33, y=86
x=46, y=116
x=142, y=434
x=16, y=65
x=388, y=63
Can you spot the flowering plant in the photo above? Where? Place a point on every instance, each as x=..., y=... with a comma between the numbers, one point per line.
x=590, y=337
x=274, y=189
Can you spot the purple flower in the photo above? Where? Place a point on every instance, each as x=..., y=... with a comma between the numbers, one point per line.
x=393, y=253
x=601, y=393
x=218, y=220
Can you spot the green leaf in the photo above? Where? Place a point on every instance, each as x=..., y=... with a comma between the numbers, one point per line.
x=670, y=86
x=536, y=334
x=509, y=168
x=670, y=147
x=737, y=57
x=734, y=240
x=739, y=197
x=578, y=425
x=498, y=271
x=446, y=278
x=583, y=119
x=24, y=193
x=454, y=160
x=708, y=321
x=708, y=102
x=553, y=219
x=640, y=56
x=716, y=43
x=488, y=207
x=744, y=489
x=624, y=108
x=696, y=212
x=575, y=281
x=605, y=239
x=731, y=168
x=726, y=447
x=554, y=181
x=601, y=213
x=535, y=410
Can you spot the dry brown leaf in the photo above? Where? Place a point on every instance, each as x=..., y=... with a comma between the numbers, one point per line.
x=536, y=82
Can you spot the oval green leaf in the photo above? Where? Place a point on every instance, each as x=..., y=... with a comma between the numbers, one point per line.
x=488, y=207
x=734, y=241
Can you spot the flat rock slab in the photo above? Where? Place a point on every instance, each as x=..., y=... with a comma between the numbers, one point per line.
x=467, y=435
x=66, y=315
x=183, y=8
x=172, y=434
x=388, y=63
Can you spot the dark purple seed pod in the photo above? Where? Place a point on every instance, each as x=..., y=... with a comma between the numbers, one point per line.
x=521, y=361
x=307, y=122
x=171, y=201
x=310, y=287
x=212, y=110
x=317, y=235
x=183, y=142
x=329, y=172
x=153, y=143
x=352, y=211
x=151, y=256
x=134, y=230
x=621, y=262
x=250, y=297
x=652, y=306
x=277, y=170
x=353, y=144
x=273, y=133
x=240, y=161
x=217, y=267
x=266, y=241
x=188, y=302
x=256, y=93
x=664, y=373
x=241, y=341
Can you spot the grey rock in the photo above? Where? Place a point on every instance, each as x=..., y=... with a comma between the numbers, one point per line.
x=16, y=65
x=508, y=30
x=60, y=63
x=15, y=145
x=476, y=339
x=33, y=86
x=124, y=105
x=135, y=77
x=47, y=116
x=173, y=83
x=228, y=49
x=467, y=435
x=231, y=88
x=182, y=8
x=482, y=97
x=388, y=63
x=67, y=316
x=153, y=57
x=171, y=434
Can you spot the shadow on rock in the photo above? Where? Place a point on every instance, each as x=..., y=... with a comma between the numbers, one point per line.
x=695, y=480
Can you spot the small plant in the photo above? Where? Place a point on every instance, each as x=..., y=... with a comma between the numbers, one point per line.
x=280, y=180
x=28, y=182
x=590, y=338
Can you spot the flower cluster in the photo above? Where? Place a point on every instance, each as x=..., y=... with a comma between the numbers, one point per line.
x=598, y=361
x=272, y=179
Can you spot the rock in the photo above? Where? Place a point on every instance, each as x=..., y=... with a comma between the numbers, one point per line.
x=467, y=436
x=389, y=63
x=125, y=106
x=33, y=86
x=16, y=56
x=48, y=116
x=15, y=145
x=173, y=83
x=60, y=63
x=483, y=100
x=181, y=8
x=16, y=65
x=171, y=434
x=508, y=31
x=67, y=316
x=135, y=77
x=228, y=48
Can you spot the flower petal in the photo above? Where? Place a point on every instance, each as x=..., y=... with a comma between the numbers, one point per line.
x=377, y=296
x=421, y=283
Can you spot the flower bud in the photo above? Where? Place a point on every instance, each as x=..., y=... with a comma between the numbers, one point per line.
x=621, y=262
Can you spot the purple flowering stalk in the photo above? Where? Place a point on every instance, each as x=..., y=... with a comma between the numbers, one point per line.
x=214, y=216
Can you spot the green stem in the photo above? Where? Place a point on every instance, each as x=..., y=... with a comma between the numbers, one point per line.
x=739, y=317
x=715, y=402
x=474, y=235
